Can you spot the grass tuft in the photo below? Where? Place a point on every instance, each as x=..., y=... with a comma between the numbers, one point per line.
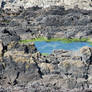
x=65, y=40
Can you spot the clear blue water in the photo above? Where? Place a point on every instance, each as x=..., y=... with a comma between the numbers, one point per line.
x=48, y=47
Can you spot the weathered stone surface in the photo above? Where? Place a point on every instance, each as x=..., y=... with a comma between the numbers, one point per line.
x=15, y=4
x=50, y=22
x=86, y=54
x=1, y=48
x=60, y=71
x=46, y=68
x=8, y=36
x=25, y=69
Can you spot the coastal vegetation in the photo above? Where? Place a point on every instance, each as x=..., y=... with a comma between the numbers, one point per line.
x=45, y=54
x=65, y=40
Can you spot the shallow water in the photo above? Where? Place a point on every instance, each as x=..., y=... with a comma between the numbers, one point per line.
x=48, y=47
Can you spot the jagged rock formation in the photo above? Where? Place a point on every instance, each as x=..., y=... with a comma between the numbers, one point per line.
x=24, y=69
x=49, y=22
x=15, y=4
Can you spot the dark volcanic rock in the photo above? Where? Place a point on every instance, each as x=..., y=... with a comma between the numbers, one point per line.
x=19, y=69
x=8, y=36
x=22, y=68
x=57, y=22
x=53, y=21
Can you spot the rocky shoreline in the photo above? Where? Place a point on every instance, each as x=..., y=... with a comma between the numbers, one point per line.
x=24, y=69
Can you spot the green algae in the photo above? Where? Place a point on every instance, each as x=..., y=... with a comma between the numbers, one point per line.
x=45, y=54
x=65, y=40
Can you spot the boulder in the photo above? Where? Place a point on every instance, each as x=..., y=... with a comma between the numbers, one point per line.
x=7, y=36
x=46, y=68
x=72, y=68
x=86, y=54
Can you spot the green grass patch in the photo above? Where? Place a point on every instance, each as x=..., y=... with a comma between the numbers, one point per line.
x=74, y=40
x=34, y=39
x=45, y=54
x=65, y=40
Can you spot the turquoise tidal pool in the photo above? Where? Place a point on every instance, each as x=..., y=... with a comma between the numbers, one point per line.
x=49, y=47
